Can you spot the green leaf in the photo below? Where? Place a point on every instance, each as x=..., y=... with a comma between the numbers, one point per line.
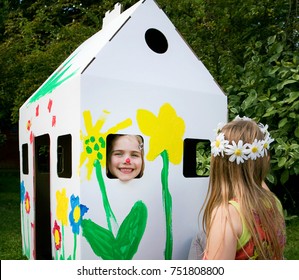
x=274, y=58
x=282, y=123
x=234, y=111
x=271, y=39
x=284, y=177
x=270, y=111
x=293, y=115
x=101, y=240
x=125, y=245
x=263, y=98
x=272, y=70
x=285, y=82
x=271, y=178
x=131, y=230
x=295, y=77
x=297, y=132
x=293, y=96
x=282, y=161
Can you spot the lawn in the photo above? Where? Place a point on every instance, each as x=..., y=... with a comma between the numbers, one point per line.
x=10, y=235
x=10, y=224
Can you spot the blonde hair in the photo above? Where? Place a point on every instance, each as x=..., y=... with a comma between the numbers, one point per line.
x=243, y=183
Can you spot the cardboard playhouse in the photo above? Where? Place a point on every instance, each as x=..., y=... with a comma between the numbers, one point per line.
x=135, y=76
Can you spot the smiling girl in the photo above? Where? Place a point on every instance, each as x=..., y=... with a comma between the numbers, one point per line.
x=125, y=157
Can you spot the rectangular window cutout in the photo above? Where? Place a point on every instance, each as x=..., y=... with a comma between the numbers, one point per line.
x=25, y=163
x=196, y=159
x=64, y=156
x=43, y=154
x=125, y=156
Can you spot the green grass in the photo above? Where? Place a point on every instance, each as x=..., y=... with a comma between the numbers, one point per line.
x=10, y=218
x=10, y=224
x=292, y=248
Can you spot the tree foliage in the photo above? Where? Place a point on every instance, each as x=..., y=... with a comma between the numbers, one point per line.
x=250, y=47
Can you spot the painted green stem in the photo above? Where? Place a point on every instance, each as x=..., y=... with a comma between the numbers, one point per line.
x=26, y=242
x=109, y=213
x=167, y=203
x=75, y=246
x=28, y=238
x=63, y=251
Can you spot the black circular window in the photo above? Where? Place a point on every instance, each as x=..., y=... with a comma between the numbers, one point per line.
x=156, y=40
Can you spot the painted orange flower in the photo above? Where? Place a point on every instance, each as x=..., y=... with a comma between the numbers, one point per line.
x=27, y=203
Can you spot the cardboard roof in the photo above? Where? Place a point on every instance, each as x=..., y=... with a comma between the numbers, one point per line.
x=140, y=45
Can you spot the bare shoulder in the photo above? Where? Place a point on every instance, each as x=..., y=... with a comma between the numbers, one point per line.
x=222, y=239
x=222, y=214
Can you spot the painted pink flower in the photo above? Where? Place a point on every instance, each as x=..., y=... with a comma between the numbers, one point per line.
x=53, y=121
x=31, y=137
x=37, y=111
x=50, y=103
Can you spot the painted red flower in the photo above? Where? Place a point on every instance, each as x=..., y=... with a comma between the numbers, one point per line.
x=57, y=235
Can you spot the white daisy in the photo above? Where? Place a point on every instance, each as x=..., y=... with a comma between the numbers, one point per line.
x=219, y=128
x=218, y=146
x=266, y=144
x=237, y=152
x=237, y=118
x=255, y=149
x=263, y=128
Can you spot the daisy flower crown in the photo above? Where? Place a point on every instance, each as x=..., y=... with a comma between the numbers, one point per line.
x=239, y=152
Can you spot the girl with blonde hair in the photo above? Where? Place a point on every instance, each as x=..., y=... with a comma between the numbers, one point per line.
x=242, y=218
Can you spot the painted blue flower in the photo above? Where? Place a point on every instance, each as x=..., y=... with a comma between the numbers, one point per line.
x=22, y=191
x=76, y=214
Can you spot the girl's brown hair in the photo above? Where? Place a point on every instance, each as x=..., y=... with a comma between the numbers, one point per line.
x=243, y=183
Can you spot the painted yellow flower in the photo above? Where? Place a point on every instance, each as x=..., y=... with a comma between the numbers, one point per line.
x=166, y=139
x=94, y=143
x=166, y=132
x=62, y=207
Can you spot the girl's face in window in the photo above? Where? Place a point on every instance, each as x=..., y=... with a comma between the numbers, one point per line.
x=126, y=158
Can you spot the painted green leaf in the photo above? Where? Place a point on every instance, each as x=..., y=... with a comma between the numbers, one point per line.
x=54, y=81
x=101, y=240
x=125, y=245
x=131, y=230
